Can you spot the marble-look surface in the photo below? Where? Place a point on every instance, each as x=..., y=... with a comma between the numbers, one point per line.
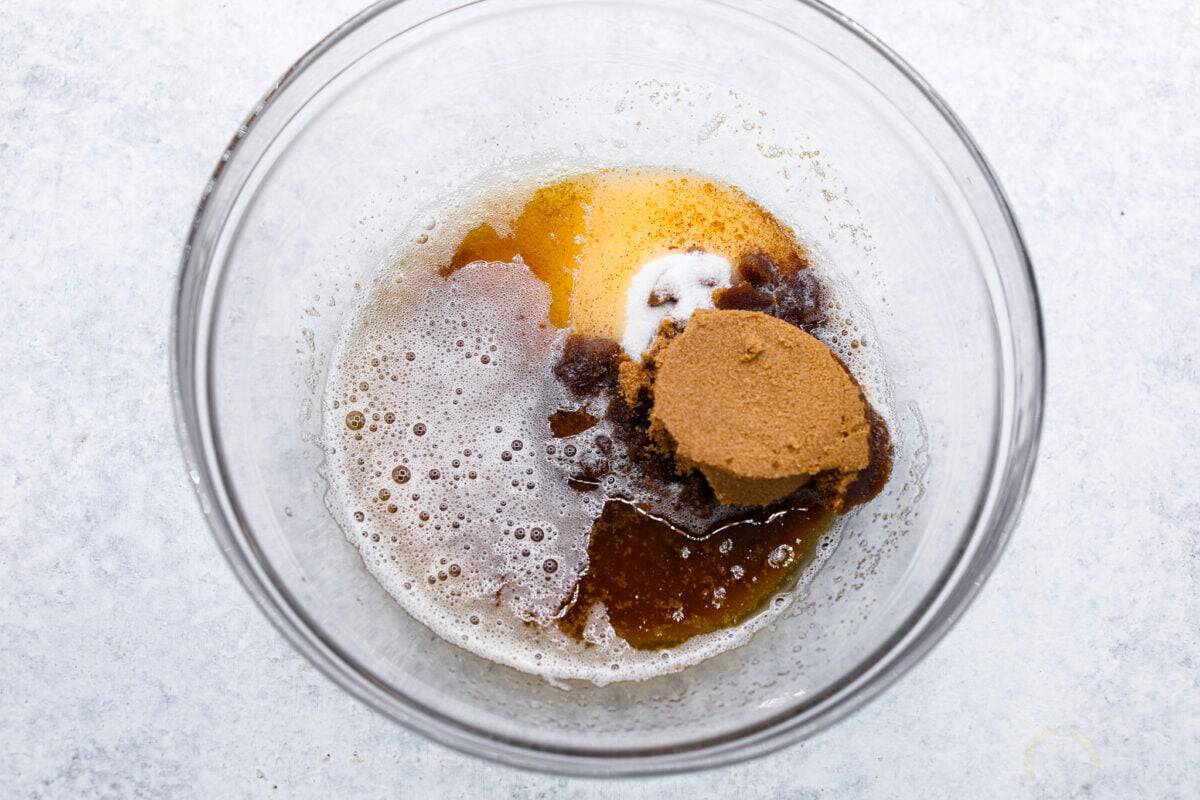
x=132, y=664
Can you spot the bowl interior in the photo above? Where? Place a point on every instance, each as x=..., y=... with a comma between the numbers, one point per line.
x=415, y=103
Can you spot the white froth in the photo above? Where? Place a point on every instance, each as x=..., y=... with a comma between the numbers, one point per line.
x=681, y=283
x=469, y=406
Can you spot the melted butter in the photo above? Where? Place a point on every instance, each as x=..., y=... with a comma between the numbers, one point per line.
x=587, y=236
x=546, y=234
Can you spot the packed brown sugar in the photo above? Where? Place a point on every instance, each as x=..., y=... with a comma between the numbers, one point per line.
x=758, y=406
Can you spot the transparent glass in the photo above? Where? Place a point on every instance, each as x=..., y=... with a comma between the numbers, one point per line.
x=410, y=103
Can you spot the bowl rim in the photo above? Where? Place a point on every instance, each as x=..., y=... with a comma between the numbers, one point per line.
x=940, y=608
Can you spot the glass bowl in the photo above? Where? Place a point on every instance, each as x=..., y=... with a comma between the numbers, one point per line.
x=411, y=103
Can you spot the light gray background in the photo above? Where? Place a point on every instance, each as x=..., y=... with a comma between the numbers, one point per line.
x=133, y=665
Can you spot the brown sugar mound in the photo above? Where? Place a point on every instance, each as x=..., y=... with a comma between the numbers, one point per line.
x=759, y=407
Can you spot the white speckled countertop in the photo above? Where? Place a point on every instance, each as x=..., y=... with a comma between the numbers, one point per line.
x=132, y=664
